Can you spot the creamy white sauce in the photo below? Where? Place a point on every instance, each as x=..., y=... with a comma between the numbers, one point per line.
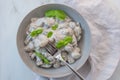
x=65, y=28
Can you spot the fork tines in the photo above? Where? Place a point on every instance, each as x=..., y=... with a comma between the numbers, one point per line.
x=51, y=48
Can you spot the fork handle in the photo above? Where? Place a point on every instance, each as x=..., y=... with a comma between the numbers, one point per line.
x=75, y=72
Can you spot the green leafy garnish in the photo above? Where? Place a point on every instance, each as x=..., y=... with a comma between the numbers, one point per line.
x=49, y=34
x=36, y=32
x=67, y=39
x=60, y=14
x=64, y=42
x=42, y=57
x=60, y=44
x=54, y=27
x=33, y=33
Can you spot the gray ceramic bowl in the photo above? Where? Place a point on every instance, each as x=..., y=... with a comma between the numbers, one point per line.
x=84, y=43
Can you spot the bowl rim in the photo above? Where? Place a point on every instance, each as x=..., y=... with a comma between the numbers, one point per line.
x=61, y=4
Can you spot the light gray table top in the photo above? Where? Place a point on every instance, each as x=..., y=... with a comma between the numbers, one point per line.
x=11, y=66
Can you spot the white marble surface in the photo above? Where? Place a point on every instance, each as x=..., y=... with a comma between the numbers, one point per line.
x=11, y=66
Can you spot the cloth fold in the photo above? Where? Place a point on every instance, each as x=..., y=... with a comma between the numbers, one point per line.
x=105, y=29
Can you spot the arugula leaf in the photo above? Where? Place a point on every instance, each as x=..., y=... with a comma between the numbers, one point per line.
x=50, y=13
x=36, y=32
x=54, y=27
x=67, y=39
x=60, y=14
x=64, y=42
x=33, y=33
x=49, y=34
x=42, y=57
x=39, y=31
x=60, y=44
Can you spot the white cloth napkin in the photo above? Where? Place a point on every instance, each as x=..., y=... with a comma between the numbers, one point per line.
x=105, y=29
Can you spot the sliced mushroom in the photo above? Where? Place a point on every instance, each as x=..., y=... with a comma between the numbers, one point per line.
x=66, y=31
x=37, y=58
x=30, y=53
x=67, y=19
x=77, y=31
x=51, y=59
x=74, y=42
x=49, y=21
x=62, y=25
x=72, y=25
x=76, y=53
x=43, y=40
x=51, y=39
x=46, y=65
x=64, y=55
x=32, y=27
x=79, y=38
x=33, y=56
x=46, y=26
x=40, y=41
x=56, y=64
x=69, y=48
x=70, y=31
x=39, y=63
x=29, y=47
x=36, y=42
x=33, y=19
x=70, y=59
x=46, y=55
x=58, y=36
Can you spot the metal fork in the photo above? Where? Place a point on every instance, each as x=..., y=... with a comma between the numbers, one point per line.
x=52, y=50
